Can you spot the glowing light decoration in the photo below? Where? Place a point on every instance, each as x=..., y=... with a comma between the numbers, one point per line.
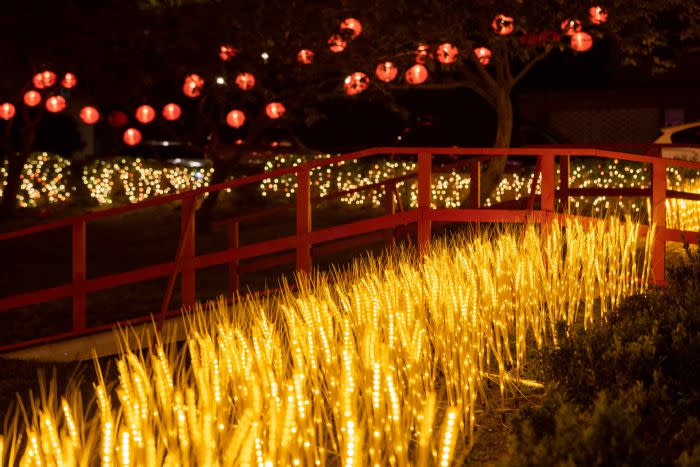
x=352, y=26
x=274, y=110
x=145, y=114
x=132, y=137
x=483, y=54
x=356, y=83
x=89, y=115
x=447, y=53
x=423, y=53
x=581, y=41
x=336, y=43
x=193, y=85
x=245, y=81
x=236, y=118
x=305, y=57
x=417, y=74
x=55, y=104
x=597, y=15
x=117, y=119
x=7, y=111
x=571, y=26
x=69, y=81
x=503, y=25
x=386, y=72
x=45, y=79
x=32, y=98
x=171, y=112
x=227, y=52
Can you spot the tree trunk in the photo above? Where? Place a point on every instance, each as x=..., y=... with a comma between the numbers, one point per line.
x=15, y=166
x=504, y=132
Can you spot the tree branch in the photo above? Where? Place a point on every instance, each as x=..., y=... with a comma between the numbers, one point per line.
x=445, y=86
x=532, y=63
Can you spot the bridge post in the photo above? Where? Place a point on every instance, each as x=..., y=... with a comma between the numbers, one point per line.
x=233, y=242
x=564, y=173
x=658, y=217
x=475, y=184
x=389, y=209
x=187, y=235
x=79, y=276
x=425, y=166
x=547, y=183
x=303, y=256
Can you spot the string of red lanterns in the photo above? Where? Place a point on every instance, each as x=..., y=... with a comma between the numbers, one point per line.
x=7, y=111
x=69, y=81
x=417, y=74
x=447, y=53
x=89, y=115
x=145, y=114
x=386, y=72
x=274, y=110
x=245, y=81
x=132, y=137
x=32, y=98
x=171, y=112
x=236, y=118
x=356, y=83
x=55, y=104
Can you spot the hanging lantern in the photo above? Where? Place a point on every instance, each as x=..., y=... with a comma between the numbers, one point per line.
x=69, y=81
x=386, y=72
x=132, y=137
x=89, y=115
x=145, y=114
x=117, y=119
x=171, y=112
x=598, y=15
x=245, y=81
x=503, y=25
x=352, y=26
x=417, y=74
x=305, y=57
x=193, y=85
x=356, y=83
x=45, y=79
x=447, y=53
x=571, y=26
x=7, y=111
x=55, y=104
x=337, y=43
x=236, y=118
x=422, y=53
x=32, y=98
x=581, y=41
x=483, y=54
x=274, y=110
x=227, y=52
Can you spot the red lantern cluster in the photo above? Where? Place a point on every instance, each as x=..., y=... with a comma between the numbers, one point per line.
x=581, y=41
x=422, y=53
x=305, y=57
x=145, y=114
x=193, y=85
x=236, y=118
x=336, y=43
x=352, y=27
x=598, y=15
x=55, y=104
x=571, y=26
x=171, y=112
x=89, y=115
x=45, y=79
x=7, y=111
x=274, y=110
x=447, y=53
x=117, y=119
x=356, y=83
x=32, y=98
x=132, y=137
x=69, y=81
x=386, y=72
x=483, y=54
x=417, y=74
x=503, y=25
x=245, y=81
x=227, y=52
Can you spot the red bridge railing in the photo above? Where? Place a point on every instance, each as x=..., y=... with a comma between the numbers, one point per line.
x=300, y=247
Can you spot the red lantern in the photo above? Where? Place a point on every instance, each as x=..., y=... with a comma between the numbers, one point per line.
x=145, y=114
x=598, y=15
x=193, y=85
x=117, y=119
x=32, y=98
x=503, y=25
x=581, y=41
x=386, y=72
x=132, y=137
x=305, y=57
x=45, y=79
x=447, y=53
x=89, y=115
x=69, y=81
x=171, y=112
x=337, y=43
x=422, y=53
x=417, y=74
x=571, y=26
x=245, y=81
x=236, y=118
x=55, y=104
x=483, y=54
x=274, y=110
x=356, y=83
x=352, y=26
x=7, y=111
x=227, y=52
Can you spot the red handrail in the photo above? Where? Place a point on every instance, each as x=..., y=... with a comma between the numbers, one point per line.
x=306, y=239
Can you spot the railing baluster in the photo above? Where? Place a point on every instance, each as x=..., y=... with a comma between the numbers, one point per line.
x=187, y=234
x=233, y=274
x=303, y=219
x=389, y=209
x=547, y=183
x=564, y=173
x=425, y=166
x=475, y=184
x=79, y=275
x=658, y=217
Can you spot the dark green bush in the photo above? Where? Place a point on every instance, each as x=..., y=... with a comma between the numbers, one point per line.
x=626, y=392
